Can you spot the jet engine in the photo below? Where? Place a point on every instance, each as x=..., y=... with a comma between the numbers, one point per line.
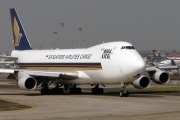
x=160, y=77
x=141, y=82
x=27, y=83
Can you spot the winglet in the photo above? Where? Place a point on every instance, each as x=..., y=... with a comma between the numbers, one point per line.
x=20, y=39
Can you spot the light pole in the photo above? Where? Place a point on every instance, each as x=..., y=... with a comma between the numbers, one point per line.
x=62, y=26
x=60, y=44
x=72, y=43
x=80, y=29
x=53, y=45
x=83, y=44
x=55, y=32
x=41, y=46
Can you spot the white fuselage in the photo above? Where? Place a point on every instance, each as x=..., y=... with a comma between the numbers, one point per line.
x=106, y=63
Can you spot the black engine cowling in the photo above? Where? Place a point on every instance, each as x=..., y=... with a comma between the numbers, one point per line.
x=142, y=82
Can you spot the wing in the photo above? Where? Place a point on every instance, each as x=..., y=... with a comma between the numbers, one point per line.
x=30, y=79
x=160, y=74
x=67, y=75
x=154, y=68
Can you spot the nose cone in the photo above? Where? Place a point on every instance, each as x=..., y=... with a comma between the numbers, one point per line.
x=133, y=65
x=140, y=66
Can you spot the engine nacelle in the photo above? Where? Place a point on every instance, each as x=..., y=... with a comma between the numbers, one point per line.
x=160, y=77
x=142, y=82
x=27, y=83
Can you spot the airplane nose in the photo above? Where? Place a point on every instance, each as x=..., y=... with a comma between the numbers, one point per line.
x=140, y=66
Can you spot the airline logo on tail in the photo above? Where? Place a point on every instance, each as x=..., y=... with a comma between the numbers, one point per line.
x=17, y=33
x=19, y=36
x=156, y=54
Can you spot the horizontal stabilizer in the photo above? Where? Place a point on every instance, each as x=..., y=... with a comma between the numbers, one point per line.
x=8, y=57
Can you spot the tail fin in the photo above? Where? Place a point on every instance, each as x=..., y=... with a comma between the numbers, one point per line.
x=156, y=54
x=173, y=63
x=19, y=36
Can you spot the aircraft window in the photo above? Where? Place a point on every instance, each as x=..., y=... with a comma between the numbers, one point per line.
x=127, y=47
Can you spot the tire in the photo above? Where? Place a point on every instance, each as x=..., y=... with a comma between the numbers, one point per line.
x=58, y=91
x=93, y=90
x=79, y=90
x=75, y=90
x=101, y=90
x=121, y=94
x=48, y=91
x=72, y=90
x=126, y=94
x=42, y=92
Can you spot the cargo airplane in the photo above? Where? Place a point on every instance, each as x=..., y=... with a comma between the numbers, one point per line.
x=103, y=64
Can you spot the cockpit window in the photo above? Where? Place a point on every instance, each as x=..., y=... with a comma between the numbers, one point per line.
x=127, y=47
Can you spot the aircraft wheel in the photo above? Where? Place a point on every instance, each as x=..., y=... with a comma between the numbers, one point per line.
x=58, y=91
x=75, y=90
x=126, y=94
x=78, y=90
x=42, y=91
x=72, y=90
x=93, y=90
x=97, y=90
x=101, y=90
x=121, y=94
x=45, y=91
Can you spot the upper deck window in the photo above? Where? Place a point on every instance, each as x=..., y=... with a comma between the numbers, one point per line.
x=127, y=47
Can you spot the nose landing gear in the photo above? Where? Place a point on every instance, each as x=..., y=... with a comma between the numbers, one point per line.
x=123, y=92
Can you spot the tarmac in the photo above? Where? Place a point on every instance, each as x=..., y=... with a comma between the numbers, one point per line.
x=17, y=104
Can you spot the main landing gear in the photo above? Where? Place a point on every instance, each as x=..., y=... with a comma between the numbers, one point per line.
x=123, y=92
x=97, y=90
x=57, y=90
x=75, y=90
x=47, y=91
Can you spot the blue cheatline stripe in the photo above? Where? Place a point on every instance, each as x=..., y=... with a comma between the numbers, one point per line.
x=97, y=65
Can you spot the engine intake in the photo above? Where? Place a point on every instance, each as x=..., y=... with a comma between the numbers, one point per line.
x=27, y=83
x=160, y=77
x=142, y=82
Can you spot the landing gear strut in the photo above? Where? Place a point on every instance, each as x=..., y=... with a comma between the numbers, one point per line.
x=123, y=92
x=97, y=90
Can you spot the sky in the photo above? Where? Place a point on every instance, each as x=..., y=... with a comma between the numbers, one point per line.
x=147, y=24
